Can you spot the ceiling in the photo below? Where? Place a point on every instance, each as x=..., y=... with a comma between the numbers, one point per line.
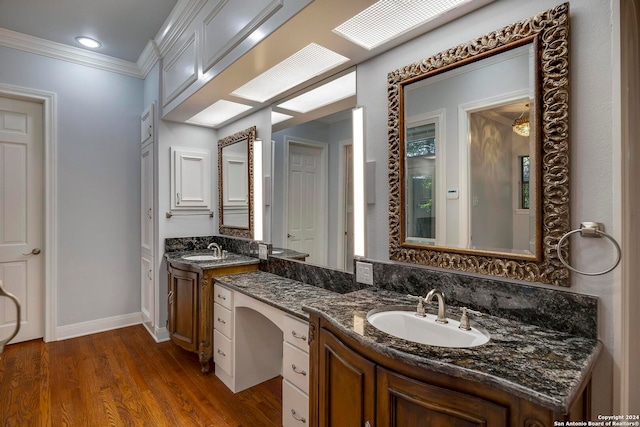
x=123, y=27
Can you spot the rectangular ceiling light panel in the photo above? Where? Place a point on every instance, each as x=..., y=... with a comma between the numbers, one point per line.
x=334, y=91
x=279, y=117
x=387, y=19
x=309, y=62
x=218, y=113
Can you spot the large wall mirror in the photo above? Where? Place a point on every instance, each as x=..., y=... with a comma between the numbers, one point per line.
x=235, y=183
x=312, y=207
x=479, y=154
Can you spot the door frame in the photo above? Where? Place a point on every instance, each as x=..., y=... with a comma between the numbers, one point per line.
x=324, y=166
x=342, y=190
x=626, y=294
x=49, y=115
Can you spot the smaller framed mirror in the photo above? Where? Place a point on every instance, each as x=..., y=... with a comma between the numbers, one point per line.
x=235, y=184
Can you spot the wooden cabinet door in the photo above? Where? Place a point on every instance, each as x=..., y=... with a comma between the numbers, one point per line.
x=183, y=308
x=406, y=402
x=347, y=385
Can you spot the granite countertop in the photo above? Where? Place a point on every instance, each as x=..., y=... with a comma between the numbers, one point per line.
x=288, y=253
x=232, y=259
x=543, y=366
x=277, y=291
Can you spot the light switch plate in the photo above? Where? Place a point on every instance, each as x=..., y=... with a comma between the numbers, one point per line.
x=262, y=251
x=364, y=273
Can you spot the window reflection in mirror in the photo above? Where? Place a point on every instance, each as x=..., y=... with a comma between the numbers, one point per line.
x=420, y=181
x=312, y=210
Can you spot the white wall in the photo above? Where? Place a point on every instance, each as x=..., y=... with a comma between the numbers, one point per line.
x=592, y=144
x=98, y=188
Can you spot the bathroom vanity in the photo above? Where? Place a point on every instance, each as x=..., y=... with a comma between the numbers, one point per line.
x=524, y=376
x=190, y=300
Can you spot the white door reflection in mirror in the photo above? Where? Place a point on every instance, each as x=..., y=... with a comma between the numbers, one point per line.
x=312, y=202
x=307, y=202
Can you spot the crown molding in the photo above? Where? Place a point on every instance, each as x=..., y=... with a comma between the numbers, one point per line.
x=148, y=58
x=38, y=46
x=176, y=23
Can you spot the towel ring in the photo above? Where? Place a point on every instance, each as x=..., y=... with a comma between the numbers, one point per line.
x=590, y=229
x=15, y=300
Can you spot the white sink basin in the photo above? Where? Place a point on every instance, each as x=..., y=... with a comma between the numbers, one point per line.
x=200, y=258
x=425, y=330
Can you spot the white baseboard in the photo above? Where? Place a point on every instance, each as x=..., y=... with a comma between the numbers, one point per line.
x=98, y=325
x=162, y=334
x=158, y=334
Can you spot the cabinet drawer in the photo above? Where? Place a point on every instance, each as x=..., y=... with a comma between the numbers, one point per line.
x=296, y=332
x=295, y=406
x=295, y=366
x=223, y=296
x=223, y=353
x=223, y=320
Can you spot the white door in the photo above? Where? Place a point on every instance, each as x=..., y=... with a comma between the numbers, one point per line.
x=22, y=216
x=147, y=236
x=307, y=207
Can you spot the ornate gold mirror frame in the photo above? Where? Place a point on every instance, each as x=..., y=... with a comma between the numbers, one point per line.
x=549, y=33
x=249, y=135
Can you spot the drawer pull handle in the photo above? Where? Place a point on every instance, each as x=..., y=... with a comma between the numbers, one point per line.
x=300, y=337
x=221, y=353
x=298, y=417
x=298, y=371
x=222, y=297
x=222, y=321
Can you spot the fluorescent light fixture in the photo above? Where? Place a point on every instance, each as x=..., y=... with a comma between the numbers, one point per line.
x=387, y=19
x=258, y=226
x=309, y=62
x=340, y=88
x=88, y=42
x=218, y=113
x=279, y=117
x=358, y=182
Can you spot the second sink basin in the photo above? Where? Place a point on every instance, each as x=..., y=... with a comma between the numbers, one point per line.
x=425, y=330
x=200, y=258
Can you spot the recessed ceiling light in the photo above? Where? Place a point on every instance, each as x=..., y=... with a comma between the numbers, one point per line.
x=309, y=62
x=336, y=90
x=279, y=117
x=386, y=19
x=218, y=113
x=88, y=42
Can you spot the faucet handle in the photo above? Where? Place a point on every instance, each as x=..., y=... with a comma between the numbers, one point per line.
x=420, y=312
x=464, y=319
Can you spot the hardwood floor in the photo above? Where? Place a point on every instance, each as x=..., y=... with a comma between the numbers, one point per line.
x=123, y=378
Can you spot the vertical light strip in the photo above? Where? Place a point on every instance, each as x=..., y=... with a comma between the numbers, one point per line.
x=257, y=191
x=358, y=182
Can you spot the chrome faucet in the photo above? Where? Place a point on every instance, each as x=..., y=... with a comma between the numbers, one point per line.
x=441, y=304
x=217, y=252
